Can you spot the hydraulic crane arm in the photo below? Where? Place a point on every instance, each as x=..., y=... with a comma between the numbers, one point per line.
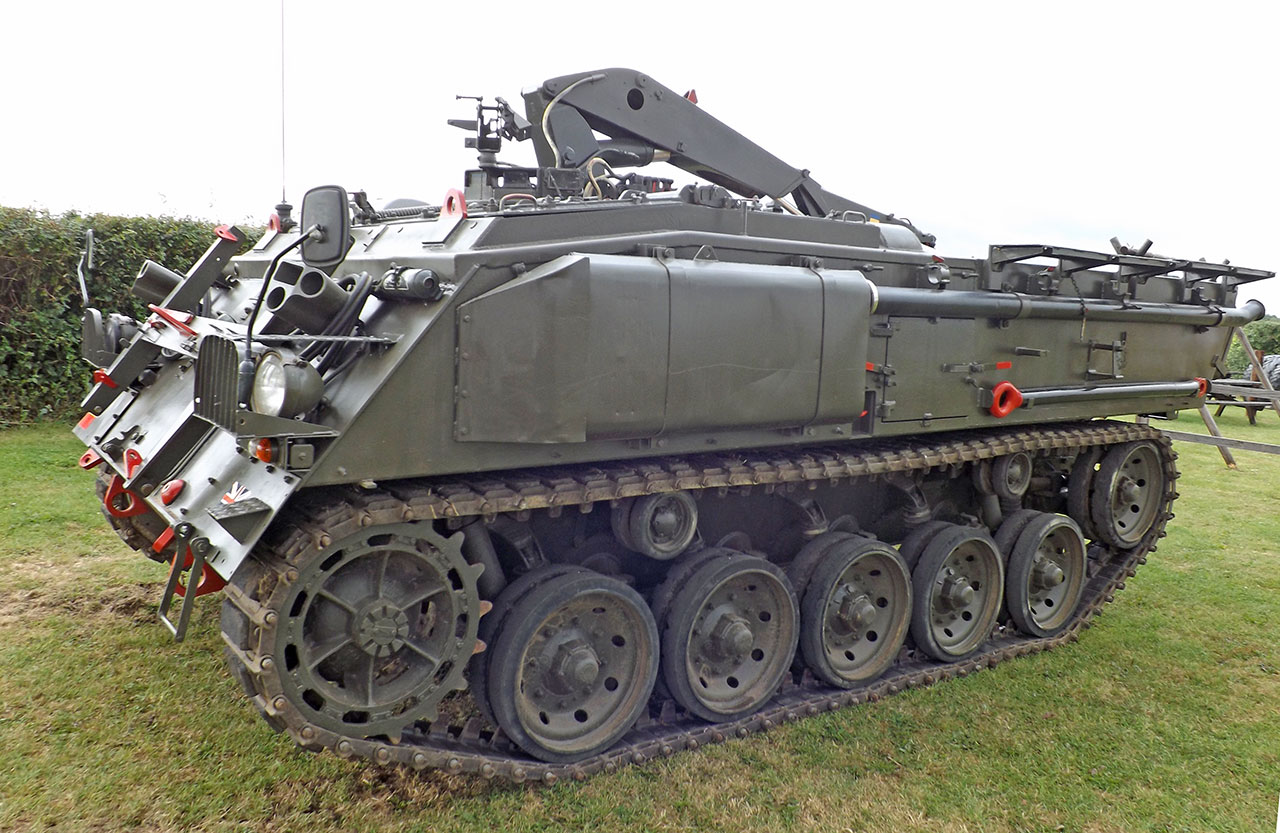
x=647, y=122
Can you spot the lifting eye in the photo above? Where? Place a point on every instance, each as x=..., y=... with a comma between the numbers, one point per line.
x=635, y=98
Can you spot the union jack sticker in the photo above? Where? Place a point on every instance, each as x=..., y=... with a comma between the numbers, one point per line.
x=236, y=492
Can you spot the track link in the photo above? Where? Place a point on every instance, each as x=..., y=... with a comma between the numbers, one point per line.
x=470, y=745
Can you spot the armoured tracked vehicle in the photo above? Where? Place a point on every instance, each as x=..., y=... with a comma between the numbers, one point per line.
x=578, y=468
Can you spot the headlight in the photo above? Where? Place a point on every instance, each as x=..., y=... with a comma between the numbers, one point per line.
x=285, y=389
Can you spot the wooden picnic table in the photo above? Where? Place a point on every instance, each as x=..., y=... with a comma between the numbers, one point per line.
x=1241, y=393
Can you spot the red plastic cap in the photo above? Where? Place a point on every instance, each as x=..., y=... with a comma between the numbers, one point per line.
x=692, y=96
x=1203, y=386
x=169, y=492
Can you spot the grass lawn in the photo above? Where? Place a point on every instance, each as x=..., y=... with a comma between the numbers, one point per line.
x=1165, y=716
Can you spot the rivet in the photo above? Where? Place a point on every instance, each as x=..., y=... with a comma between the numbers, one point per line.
x=518, y=773
x=279, y=704
x=381, y=755
x=637, y=758
x=343, y=747
x=549, y=777
x=267, y=663
x=308, y=732
x=453, y=765
x=488, y=771
x=270, y=617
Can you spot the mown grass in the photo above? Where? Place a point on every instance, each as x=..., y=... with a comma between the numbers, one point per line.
x=1163, y=717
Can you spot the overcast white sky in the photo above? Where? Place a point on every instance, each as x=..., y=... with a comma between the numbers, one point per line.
x=983, y=122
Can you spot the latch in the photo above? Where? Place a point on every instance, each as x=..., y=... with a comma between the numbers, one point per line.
x=886, y=372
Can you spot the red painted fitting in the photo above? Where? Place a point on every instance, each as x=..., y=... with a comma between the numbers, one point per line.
x=169, y=492
x=1005, y=399
x=134, y=506
x=455, y=204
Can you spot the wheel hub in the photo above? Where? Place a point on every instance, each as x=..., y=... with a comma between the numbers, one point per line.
x=856, y=610
x=1129, y=490
x=731, y=638
x=577, y=665
x=380, y=628
x=1047, y=575
x=957, y=593
x=665, y=523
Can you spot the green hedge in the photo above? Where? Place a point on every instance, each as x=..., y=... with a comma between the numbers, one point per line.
x=41, y=372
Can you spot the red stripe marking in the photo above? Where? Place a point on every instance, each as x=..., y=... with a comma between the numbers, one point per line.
x=86, y=420
x=172, y=318
x=1003, y=365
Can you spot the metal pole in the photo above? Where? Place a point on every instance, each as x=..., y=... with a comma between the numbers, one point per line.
x=1213, y=429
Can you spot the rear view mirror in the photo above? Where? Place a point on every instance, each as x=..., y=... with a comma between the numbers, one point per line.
x=326, y=207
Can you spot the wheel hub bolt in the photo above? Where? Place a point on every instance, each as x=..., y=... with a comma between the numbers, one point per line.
x=579, y=665
x=856, y=610
x=1048, y=574
x=732, y=637
x=957, y=592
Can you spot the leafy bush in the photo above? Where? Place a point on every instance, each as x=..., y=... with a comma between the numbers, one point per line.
x=1264, y=335
x=41, y=372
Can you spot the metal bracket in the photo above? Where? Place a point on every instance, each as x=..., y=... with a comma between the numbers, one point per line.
x=200, y=552
x=1116, y=348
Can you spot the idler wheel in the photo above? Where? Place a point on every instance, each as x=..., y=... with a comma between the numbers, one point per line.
x=957, y=586
x=855, y=612
x=728, y=637
x=1046, y=575
x=572, y=666
x=1127, y=493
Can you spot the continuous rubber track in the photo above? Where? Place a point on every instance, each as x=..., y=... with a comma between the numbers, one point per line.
x=470, y=745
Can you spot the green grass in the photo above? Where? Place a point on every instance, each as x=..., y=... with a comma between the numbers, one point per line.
x=1165, y=716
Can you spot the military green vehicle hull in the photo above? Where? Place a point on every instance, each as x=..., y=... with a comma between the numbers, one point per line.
x=535, y=484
